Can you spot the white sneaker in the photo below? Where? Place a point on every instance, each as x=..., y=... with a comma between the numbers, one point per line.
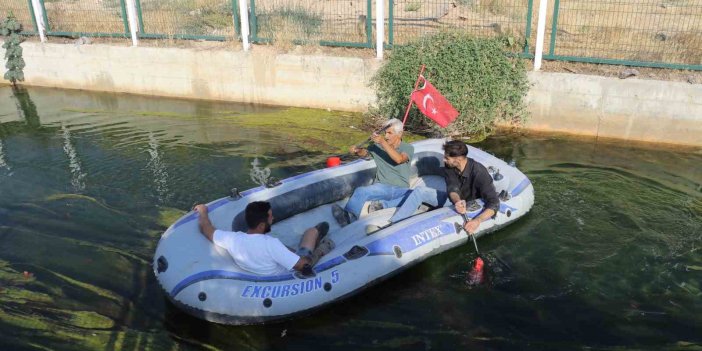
x=372, y=228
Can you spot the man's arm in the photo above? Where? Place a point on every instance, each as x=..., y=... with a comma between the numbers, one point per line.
x=453, y=189
x=472, y=225
x=492, y=203
x=284, y=256
x=398, y=157
x=206, y=227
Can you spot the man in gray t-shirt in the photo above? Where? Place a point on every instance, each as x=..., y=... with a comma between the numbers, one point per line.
x=391, y=188
x=388, y=171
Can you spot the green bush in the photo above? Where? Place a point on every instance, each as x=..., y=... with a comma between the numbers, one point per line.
x=10, y=29
x=480, y=79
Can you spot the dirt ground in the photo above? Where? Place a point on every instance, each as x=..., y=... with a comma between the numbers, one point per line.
x=675, y=75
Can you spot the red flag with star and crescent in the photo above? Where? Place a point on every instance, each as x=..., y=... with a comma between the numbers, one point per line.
x=434, y=105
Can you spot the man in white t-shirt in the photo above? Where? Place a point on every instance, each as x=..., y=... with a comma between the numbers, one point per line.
x=259, y=253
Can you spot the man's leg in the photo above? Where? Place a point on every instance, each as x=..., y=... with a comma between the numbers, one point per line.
x=309, y=239
x=375, y=191
x=397, y=200
x=314, y=243
x=419, y=195
x=325, y=246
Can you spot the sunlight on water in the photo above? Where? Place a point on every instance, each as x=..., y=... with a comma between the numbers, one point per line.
x=77, y=175
x=609, y=257
x=158, y=171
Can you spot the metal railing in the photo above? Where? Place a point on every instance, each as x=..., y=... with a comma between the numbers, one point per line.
x=332, y=22
x=105, y=18
x=22, y=9
x=409, y=19
x=648, y=33
x=187, y=19
x=655, y=33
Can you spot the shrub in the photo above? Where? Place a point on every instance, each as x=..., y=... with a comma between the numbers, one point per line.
x=480, y=79
x=10, y=29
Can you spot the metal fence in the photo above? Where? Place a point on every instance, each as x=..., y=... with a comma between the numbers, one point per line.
x=21, y=9
x=410, y=19
x=187, y=19
x=105, y=18
x=657, y=33
x=653, y=33
x=331, y=22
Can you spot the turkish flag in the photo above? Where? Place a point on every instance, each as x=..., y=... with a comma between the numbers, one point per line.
x=433, y=105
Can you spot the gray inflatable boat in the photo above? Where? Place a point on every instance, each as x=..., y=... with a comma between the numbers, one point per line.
x=203, y=280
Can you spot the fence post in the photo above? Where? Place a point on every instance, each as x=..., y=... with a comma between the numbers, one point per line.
x=369, y=24
x=39, y=18
x=379, y=28
x=541, y=28
x=391, y=19
x=133, y=21
x=235, y=18
x=554, y=27
x=244, y=15
x=527, y=33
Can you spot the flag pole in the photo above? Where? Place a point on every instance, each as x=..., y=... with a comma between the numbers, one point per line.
x=409, y=105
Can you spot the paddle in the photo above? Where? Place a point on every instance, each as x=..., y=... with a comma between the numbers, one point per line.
x=465, y=220
x=479, y=260
x=361, y=145
x=476, y=275
x=367, y=141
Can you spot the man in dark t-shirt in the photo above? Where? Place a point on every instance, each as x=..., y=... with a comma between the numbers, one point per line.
x=467, y=179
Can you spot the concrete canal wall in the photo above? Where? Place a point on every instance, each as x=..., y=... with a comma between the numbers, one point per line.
x=632, y=109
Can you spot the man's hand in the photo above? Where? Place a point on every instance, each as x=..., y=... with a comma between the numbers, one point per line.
x=471, y=226
x=201, y=209
x=461, y=207
x=359, y=151
x=301, y=263
x=378, y=139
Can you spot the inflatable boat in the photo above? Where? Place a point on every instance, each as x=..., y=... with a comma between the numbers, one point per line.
x=203, y=280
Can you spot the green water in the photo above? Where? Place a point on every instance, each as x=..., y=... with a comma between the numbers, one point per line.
x=608, y=258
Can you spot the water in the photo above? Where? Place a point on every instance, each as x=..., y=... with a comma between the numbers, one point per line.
x=609, y=256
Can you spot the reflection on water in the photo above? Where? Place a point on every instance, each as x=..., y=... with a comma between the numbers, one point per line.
x=609, y=257
x=3, y=164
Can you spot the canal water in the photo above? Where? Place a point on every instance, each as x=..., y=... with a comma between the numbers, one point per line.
x=609, y=257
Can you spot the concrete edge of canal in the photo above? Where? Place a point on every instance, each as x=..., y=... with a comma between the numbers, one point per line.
x=631, y=109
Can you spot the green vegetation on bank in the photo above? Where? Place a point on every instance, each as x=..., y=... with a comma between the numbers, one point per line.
x=477, y=75
x=10, y=29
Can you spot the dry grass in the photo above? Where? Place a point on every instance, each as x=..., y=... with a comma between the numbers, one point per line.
x=86, y=16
